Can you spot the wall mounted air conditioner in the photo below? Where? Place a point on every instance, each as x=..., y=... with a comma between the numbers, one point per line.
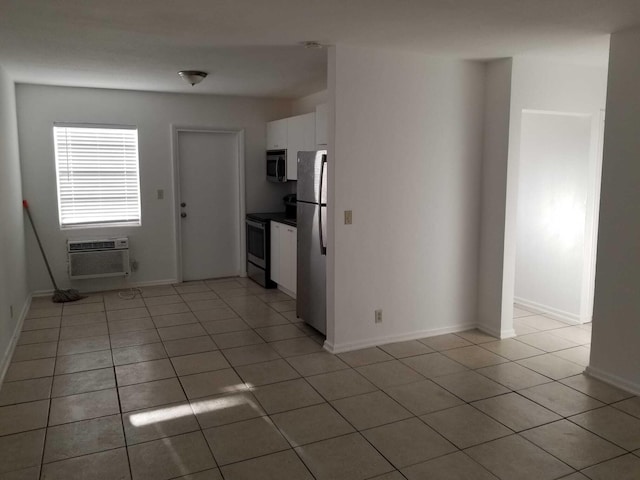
x=98, y=258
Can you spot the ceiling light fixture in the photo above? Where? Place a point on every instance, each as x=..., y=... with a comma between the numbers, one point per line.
x=192, y=76
x=312, y=45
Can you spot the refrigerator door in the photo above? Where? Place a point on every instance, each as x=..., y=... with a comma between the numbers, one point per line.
x=312, y=175
x=311, y=283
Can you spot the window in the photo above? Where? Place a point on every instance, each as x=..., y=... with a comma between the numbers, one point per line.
x=97, y=172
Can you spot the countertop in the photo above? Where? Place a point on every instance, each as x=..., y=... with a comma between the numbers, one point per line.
x=275, y=217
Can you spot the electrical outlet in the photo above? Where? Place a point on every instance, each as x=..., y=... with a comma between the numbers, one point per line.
x=378, y=315
x=11, y=311
x=348, y=214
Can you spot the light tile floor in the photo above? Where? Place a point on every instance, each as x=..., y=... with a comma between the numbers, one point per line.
x=218, y=380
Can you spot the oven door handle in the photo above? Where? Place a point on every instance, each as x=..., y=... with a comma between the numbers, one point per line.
x=254, y=224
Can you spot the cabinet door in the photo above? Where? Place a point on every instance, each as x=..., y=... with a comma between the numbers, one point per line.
x=301, y=136
x=288, y=260
x=321, y=124
x=293, y=259
x=277, y=134
x=276, y=228
x=285, y=258
x=308, y=121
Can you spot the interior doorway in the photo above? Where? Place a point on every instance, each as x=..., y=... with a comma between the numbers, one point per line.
x=209, y=186
x=555, y=214
x=560, y=164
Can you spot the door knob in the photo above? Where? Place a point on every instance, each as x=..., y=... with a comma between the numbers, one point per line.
x=183, y=204
x=183, y=215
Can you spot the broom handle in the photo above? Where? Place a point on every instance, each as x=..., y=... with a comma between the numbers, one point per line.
x=26, y=207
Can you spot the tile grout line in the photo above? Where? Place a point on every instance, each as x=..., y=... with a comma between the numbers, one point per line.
x=117, y=388
x=46, y=427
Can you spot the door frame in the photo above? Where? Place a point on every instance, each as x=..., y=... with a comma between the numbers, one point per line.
x=239, y=138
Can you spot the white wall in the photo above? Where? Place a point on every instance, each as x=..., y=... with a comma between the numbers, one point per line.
x=497, y=109
x=308, y=104
x=562, y=88
x=13, y=279
x=153, y=244
x=615, y=355
x=407, y=160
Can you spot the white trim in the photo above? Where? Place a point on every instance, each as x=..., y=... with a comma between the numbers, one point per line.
x=152, y=283
x=613, y=380
x=557, y=113
x=287, y=291
x=374, y=342
x=239, y=135
x=6, y=358
x=592, y=217
x=500, y=334
x=113, y=126
x=551, y=312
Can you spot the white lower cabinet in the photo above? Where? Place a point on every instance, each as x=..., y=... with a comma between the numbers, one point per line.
x=275, y=251
x=284, y=245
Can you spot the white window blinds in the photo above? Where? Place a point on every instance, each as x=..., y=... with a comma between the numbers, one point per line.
x=97, y=172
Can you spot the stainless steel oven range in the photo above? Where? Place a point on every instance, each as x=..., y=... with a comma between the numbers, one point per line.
x=258, y=250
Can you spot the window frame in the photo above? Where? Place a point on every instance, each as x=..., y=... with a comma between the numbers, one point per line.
x=136, y=222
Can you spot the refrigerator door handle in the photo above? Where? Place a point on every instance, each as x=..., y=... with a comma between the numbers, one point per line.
x=322, y=191
x=323, y=246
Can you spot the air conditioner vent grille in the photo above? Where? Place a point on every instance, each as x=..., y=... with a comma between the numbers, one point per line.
x=99, y=244
x=105, y=264
x=80, y=246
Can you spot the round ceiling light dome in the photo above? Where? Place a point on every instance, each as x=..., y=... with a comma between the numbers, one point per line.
x=193, y=77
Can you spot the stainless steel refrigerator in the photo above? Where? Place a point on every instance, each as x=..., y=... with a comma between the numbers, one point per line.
x=312, y=239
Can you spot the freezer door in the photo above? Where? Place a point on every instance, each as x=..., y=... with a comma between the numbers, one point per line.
x=311, y=283
x=312, y=177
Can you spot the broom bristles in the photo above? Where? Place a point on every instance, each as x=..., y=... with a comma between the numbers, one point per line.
x=63, y=296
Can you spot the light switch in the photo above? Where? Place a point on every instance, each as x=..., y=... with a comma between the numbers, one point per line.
x=160, y=194
x=347, y=217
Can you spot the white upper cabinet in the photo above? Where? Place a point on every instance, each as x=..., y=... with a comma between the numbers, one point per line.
x=301, y=136
x=322, y=117
x=277, y=134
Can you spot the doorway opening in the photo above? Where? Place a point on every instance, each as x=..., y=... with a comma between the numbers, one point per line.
x=559, y=172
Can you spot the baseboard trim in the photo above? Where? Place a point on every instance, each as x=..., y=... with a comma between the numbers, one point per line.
x=287, y=291
x=6, y=358
x=613, y=380
x=374, y=342
x=154, y=283
x=170, y=281
x=556, y=314
x=501, y=334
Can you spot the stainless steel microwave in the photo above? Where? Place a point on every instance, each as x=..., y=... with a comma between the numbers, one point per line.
x=277, y=165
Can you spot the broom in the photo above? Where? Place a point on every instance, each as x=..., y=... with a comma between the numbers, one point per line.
x=59, y=296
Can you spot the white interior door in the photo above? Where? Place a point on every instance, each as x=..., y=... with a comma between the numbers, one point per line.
x=209, y=204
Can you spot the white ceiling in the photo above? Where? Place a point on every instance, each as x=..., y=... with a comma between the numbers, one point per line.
x=251, y=47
